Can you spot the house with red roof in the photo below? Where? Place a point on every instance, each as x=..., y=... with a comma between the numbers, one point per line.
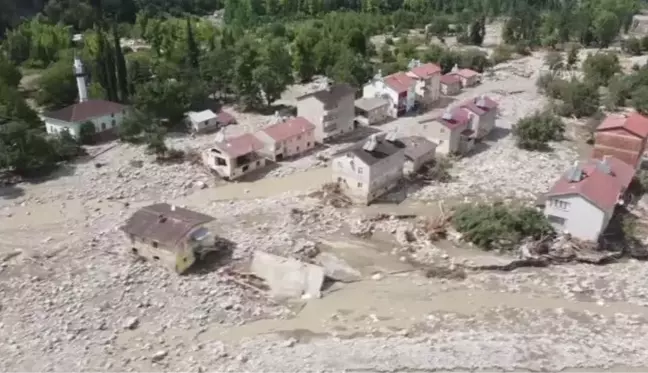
x=622, y=136
x=428, y=82
x=287, y=138
x=234, y=157
x=450, y=84
x=398, y=88
x=451, y=131
x=583, y=200
x=468, y=77
x=485, y=112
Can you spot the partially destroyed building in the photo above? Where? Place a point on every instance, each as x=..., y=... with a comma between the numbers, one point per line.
x=622, y=136
x=171, y=235
x=234, y=157
x=583, y=200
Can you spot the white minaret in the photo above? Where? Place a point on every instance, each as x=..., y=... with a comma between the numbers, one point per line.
x=80, y=75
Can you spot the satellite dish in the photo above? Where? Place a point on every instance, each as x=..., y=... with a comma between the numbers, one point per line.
x=391, y=136
x=447, y=115
x=371, y=144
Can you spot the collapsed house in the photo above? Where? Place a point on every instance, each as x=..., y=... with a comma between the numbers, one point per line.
x=171, y=235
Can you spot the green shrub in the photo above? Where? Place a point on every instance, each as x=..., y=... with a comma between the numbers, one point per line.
x=535, y=131
x=498, y=226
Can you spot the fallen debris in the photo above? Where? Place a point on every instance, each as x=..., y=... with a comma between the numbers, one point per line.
x=286, y=277
x=452, y=272
x=337, y=269
x=331, y=194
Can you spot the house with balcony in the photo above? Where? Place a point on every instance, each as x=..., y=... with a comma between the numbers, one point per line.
x=582, y=202
x=622, y=136
x=234, y=157
x=428, y=82
x=484, y=111
x=370, y=169
x=287, y=137
x=451, y=132
x=399, y=89
x=331, y=110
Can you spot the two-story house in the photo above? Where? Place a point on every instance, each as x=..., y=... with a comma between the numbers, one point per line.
x=622, y=136
x=428, y=82
x=398, y=88
x=583, y=200
x=287, y=138
x=468, y=77
x=370, y=170
x=485, y=113
x=234, y=157
x=451, y=132
x=331, y=110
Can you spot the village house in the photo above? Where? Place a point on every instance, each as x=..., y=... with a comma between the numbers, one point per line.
x=451, y=132
x=450, y=84
x=331, y=110
x=468, y=77
x=370, y=170
x=485, y=113
x=583, y=200
x=287, y=138
x=622, y=136
x=207, y=120
x=173, y=236
x=428, y=82
x=234, y=157
x=418, y=151
x=371, y=110
x=398, y=88
x=105, y=116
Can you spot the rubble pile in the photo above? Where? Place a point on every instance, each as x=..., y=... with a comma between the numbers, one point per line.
x=331, y=194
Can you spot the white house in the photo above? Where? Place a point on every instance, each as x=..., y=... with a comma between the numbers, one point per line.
x=583, y=200
x=106, y=116
x=428, y=82
x=368, y=171
x=201, y=121
x=398, y=88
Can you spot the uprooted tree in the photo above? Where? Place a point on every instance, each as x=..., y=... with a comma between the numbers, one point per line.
x=498, y=226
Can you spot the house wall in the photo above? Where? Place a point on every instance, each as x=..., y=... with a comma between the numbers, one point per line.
x=469, y=82
x=447, y=140
x=619, y=143
x=204, y=125
x=415, y=164
x=177, y=260
x=296, y=145
x=484, y=124
x=102, y=123
x=583, y=220
x=328, y=123
x=432, y=93
x=385, y=175
x=378, y=115
x=353, y=176
x=450, y=89
x=230, y=170
x=378, y=88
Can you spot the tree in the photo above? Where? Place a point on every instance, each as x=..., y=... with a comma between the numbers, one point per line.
x=554, y=60
x=24, y=150
x=162, y=99
x=243, y=82
x=639, y=99
x=155, y=143
x=478, y=31
x=303, y=57
x=57, y=86
x=14, y=107
x=572, y=56
x=350, y=68
x=193, y=53
x=273, y=73
x=357, y=41
x=134, y=125
x=600, y=67
x=578, y=99
x=122, y=73
x=105, y=67
x=537, y=130
x=9, y=73
x=87, y=132
x=606, y=28
x=632, y=46
x=216, y=69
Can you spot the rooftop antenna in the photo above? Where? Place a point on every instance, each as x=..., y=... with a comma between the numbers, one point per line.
x=379, y=75
x=276, y=118
x=575, y=173
x=371, y=144
x=455, y=68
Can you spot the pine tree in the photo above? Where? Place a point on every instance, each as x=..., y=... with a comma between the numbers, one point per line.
x=100, y=66
x=122, y=78
x=106, y=67
x=192, y=48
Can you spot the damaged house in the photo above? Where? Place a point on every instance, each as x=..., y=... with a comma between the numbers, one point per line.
x=583, y=200
x=234, y=157
x=171, y=235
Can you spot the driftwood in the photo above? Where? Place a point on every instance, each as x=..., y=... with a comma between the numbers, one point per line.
x=437, y=228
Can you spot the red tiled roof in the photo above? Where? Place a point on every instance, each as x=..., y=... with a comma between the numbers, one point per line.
x=467, y=73
x=597, y=186
x=426, y=70
x=460, y=117
x=635, y=123
x=225, y=117
x=240, y=145
x=449, y=79
x=83, y=111
x=399, y=82
x=471, y=105
x=288, y=129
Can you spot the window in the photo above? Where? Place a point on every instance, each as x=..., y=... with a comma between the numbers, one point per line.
x=360, y=170
x=113, y=123
x=112, y=115
x=103, y=126
x=359, y=185
x=308, y=144
x=556, y=220
x=563, y=205
x=258, y=163
x=156, y=257
x=298, y=148
x=442, y=130
x=155, y=244
x=299, y=137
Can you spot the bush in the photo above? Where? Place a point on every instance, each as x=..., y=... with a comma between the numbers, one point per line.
x=578, y=99
x=535, y=131
x=599, y=68
x=499, y=227
x=523, y=49
x=632, y=46
x=502, y=53
x=87, y=132
x=554, y=60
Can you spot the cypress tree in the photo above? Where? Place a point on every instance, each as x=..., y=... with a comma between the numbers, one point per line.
x=122, y=79
x=106, y=67
x=192, y=47
x=100, y=66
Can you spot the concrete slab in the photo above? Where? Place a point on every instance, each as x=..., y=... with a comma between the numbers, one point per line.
x=286, y=277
